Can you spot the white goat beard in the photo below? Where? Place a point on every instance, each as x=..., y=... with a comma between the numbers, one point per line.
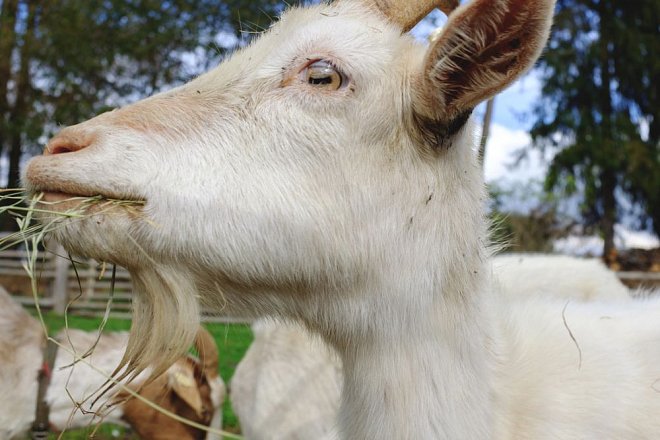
x=164, y=301
x=165, y=320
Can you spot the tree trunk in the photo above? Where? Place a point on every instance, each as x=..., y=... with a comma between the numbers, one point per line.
x=608, y=186
x=7, y=43
x=608, y=182
x=19, y=113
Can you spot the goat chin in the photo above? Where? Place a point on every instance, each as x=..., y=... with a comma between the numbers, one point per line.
x=102, y=236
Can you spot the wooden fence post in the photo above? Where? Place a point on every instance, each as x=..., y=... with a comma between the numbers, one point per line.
x=90, y=280
x=60, y=281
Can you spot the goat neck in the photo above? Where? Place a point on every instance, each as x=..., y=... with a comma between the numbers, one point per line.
x=418, y=366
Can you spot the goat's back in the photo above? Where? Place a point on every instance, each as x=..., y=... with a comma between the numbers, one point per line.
x=556, y=276
x=571, y=370
x=21, y=340
x=287, y=386
x=87, y=381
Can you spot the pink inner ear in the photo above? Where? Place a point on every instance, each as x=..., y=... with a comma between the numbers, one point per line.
x=485, y=46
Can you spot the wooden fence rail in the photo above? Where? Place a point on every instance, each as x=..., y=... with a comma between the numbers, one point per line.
x=86, y=285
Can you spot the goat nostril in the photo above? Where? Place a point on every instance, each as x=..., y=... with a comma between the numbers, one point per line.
x=59, y=149
x=68, y=141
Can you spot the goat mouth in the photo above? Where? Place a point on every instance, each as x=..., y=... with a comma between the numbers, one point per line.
x=60, y=201
x=55, y=196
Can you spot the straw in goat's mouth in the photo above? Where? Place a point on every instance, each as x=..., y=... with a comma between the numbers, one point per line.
x=57, y=206
x=24, y=207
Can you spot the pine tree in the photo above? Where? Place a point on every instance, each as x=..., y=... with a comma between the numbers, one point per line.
x=600, y=109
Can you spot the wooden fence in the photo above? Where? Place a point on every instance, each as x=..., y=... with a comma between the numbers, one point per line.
x=85, y=287
x=648, y=280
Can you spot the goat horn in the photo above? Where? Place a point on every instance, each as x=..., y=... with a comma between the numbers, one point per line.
x=408, y=13
x=208, y=352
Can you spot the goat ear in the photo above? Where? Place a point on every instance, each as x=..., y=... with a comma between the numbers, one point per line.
x=485, y=45
x=181, y=379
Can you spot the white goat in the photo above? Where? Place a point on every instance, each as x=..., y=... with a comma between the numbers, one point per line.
x=287, y=386
x=288, y=383
x=326, y=174
x=191, y=388
x=560, y=276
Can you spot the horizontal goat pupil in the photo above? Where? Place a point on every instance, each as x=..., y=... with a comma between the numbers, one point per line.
x=321, y=80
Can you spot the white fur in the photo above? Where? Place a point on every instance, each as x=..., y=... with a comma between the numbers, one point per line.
x=287, y=386
x=20, y=360
x=582, y=371
x=557, y=275
x=82, y=383
x=22, y=339
x=279, y=384
x=354, y=213
x=288, y=378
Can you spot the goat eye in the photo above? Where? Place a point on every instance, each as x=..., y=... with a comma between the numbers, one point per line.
x=323, y=75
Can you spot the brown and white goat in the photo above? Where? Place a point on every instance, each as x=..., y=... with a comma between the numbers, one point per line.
x=327, y=174
x=190, y=388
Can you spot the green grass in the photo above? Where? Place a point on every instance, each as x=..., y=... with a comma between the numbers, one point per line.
x=232, y=339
